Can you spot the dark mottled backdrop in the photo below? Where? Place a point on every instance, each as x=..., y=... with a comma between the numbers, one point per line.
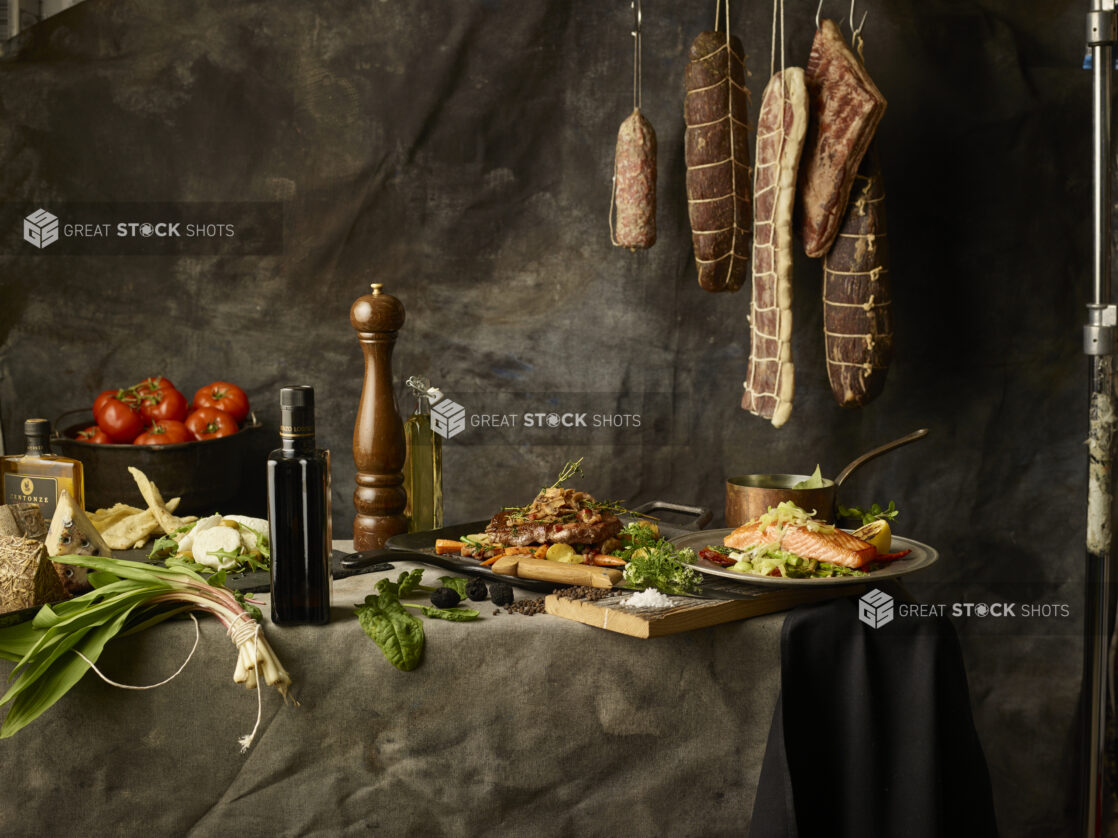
x=461, y=153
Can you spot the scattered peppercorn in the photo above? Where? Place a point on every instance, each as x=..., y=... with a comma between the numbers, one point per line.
x=501, y=593
x=527, y=607
x=445, y=598
x=585, y=592
x=476, y=590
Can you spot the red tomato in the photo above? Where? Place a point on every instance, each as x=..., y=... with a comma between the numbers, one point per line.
x=223, y=396
x=164, y=403
x=128, y=396
x=94, y=434
x=164, y=432
x=211, y=423
x=119, y=421
x=99, y=402
x=150, y=385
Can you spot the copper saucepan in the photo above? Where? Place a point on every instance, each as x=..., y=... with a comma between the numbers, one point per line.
x=750, y=495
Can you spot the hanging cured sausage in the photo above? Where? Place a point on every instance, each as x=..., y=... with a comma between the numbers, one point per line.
x=634, y=167
x=635, y=183
x=857, y=298
x=781, y=127
x=716, y=152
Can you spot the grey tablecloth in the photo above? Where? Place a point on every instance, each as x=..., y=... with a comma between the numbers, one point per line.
x=512, y=725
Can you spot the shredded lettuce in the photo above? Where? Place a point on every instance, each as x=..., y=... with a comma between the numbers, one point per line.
x=787, y=513
x=763, y=559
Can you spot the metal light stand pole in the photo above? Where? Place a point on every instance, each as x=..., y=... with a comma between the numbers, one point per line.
x=1099, y=344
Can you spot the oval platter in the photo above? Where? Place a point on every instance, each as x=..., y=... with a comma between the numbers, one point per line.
x=921, y=558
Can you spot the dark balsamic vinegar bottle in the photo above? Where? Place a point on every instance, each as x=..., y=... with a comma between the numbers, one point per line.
x=299, y=515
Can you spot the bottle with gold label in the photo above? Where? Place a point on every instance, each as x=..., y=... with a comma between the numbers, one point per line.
x=40, y=476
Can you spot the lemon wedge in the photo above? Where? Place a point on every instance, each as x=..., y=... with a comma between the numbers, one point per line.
x=876, y=533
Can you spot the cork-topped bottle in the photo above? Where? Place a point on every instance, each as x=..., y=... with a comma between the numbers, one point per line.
x=378, y=434
x=39, y=476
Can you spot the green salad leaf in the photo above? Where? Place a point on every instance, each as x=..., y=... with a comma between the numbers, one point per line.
x=868, y=516
x=763, y=559
x=813, y=482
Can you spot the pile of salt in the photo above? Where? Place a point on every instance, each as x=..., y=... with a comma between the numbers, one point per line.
x=648, y=598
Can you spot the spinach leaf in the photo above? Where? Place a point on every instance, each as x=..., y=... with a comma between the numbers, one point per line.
x=409, y=582
x=459, y=615
x=456, y=584
x=396, y=632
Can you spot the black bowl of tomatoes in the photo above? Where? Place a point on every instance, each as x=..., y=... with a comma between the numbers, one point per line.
x=197, y=449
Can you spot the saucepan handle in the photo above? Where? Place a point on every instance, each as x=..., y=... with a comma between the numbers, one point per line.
x=701, y=513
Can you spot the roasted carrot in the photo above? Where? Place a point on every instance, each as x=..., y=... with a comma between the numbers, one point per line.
x=541, y=552
x=603, y=560
x=444, y=546
x=493, y=558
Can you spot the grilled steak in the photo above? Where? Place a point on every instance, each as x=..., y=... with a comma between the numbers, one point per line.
x=556, y=516
x=518, y=533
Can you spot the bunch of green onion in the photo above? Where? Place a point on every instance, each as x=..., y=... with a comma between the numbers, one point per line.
x=63, y=641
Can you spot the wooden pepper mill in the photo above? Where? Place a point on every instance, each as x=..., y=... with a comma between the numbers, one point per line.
x=378, y=435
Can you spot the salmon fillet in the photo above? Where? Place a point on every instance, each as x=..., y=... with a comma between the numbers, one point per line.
x=836, y=547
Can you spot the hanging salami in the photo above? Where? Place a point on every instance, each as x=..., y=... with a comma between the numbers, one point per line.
x=635, y=183
x=781, y=127
x=857, y=299
x=716, y=152
x=634, y=167
x=846, y=107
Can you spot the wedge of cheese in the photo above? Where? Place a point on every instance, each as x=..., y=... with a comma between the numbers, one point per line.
x=22, y=519
x=72, y=533
x=27, y=578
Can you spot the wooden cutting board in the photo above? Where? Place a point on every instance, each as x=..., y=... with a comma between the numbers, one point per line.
x=687, y=613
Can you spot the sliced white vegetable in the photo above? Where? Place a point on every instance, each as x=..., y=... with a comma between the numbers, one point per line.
x=260, y=525
x=215, y=538
x=186, y=543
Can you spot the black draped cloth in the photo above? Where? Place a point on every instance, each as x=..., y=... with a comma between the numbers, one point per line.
x=872, y=735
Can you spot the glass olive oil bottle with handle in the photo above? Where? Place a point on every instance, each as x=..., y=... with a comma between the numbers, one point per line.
x=40, y=476
x=423, y=466
x=299, y=515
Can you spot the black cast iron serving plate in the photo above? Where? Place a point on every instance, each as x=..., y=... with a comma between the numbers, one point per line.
x=420, y=546
x=260, y=581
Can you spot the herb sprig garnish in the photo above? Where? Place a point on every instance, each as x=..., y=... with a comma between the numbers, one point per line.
x=574, y=501
x=571, y=469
